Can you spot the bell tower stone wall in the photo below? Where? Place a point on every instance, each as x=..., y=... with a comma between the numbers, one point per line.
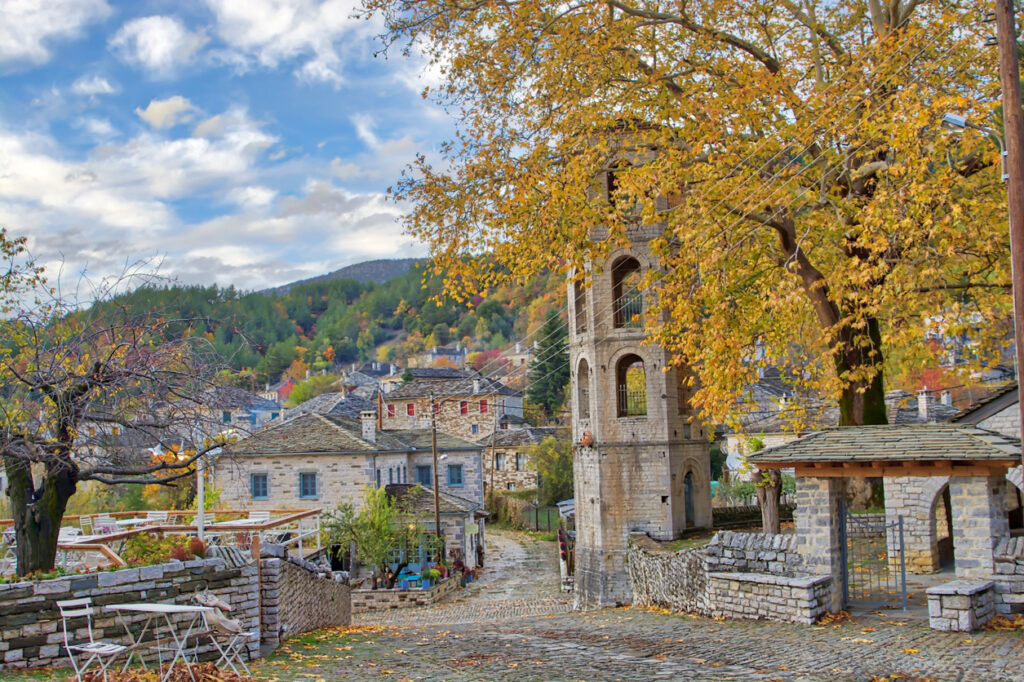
x=640, y=463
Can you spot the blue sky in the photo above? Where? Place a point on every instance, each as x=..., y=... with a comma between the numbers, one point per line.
x=238, y=142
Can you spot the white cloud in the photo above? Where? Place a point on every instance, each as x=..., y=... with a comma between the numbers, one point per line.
x=161, y=114
x=27, y=26
x=97, y=127
x=269, y=32
x=252, y=196
x=93, y=85
x=364, y=130
x=158, y=45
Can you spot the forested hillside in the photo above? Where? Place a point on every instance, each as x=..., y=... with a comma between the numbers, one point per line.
x=318, y=324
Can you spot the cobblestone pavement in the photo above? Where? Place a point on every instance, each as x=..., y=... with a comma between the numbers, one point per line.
x=520, y=578
x=514, y=625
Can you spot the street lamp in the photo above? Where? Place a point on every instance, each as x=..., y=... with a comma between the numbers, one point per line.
x=957, y=123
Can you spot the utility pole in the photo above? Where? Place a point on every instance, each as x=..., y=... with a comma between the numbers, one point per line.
x=1013, y=122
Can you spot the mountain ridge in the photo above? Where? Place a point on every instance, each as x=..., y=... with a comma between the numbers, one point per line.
x=378, y=271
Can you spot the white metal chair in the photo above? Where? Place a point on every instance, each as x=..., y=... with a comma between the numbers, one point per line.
x=102, y=652
x=261, y=516
x=156, y=517
x=234, y=640
x=104, y=523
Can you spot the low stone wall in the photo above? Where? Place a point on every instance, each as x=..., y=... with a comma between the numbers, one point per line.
x=295, y=599
x=754, y=553
x=382, y=600
x=31, y=632
x=737, y=575
x=1009, y=576
x=673, y=580
x=756, y=596
x=961, y=605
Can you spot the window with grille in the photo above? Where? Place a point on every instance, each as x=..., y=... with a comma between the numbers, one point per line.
x=627, y=304
x=520, y=461
x=631, y=387
x=424, y=476
x=455, y=475
x=259, y=486
x=307, y=485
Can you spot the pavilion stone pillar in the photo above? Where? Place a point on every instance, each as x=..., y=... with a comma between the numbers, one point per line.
x=979, y=521
x=818, y=517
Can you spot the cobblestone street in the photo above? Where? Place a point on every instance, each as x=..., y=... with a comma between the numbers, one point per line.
x=514, y=624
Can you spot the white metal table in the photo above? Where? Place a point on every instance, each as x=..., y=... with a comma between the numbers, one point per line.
x=154, y=612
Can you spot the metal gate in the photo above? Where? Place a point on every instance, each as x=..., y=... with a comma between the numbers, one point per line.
x=873, y=560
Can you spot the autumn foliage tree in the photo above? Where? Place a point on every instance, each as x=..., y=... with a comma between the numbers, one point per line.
x=90, y=396
x=788, y=155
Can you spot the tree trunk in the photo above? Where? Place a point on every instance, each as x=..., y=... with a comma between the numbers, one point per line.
x=38, y=512
x=769, y=493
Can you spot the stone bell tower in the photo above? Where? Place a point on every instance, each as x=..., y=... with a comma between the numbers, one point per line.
x=641, y=462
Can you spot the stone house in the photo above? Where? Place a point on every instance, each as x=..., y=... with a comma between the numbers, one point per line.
x=507, y=464
x=319, y=460
x=341, y=403
x=462, y=520
x=393, y=381
x=467, y=408
x=231, y=406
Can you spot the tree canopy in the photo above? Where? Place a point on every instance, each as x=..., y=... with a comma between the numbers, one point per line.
x=808, y=209
x=549, y=370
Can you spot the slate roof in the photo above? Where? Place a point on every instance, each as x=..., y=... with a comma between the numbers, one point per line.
x=423, y=388
x=332, y=403
x=995, y=402
x=531, y=435
x=230, y=397
x=336, y=434
x=893, y=443
x=420, y=500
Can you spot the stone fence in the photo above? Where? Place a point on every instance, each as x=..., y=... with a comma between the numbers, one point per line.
x=31, y=632
x=1009, y=576
x=737, y=575
x=295, y=599
x=382, y=600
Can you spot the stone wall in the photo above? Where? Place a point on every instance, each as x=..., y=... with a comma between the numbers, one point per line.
x=31, y=632
x=756, y=596
x=294, y=599
x=381, y=600
x=757, y=577
x=673, y=580
x=960, y=606
x=754, y=553
x=1009, y=576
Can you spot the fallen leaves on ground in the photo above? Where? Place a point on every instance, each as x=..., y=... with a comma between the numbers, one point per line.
x=202, y=672
x=830, y=618
x=1006, y=623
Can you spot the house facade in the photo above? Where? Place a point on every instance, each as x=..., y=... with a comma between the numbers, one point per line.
x=468, y=408
x=507, y=462
x=317, y=461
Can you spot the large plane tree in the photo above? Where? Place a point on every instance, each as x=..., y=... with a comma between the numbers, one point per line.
x=811, y=211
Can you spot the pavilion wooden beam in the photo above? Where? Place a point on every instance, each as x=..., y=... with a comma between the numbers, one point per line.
x=851, y=469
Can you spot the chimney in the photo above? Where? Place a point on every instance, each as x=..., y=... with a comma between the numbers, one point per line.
x=394, y=369
x=924, y=403
x=368, y=418
x=946, y=398
x=476, y=385
x=519, y=347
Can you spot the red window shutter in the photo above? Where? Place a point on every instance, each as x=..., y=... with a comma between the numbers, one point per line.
x=391, y=410
x=463, y=407
x=483, y=406
x=410, y=409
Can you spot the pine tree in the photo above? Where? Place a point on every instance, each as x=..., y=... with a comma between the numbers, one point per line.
x=549, y=370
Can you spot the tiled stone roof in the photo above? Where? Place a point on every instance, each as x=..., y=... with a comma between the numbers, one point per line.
x=334, y=434
x=525, y=436
x=423, y=388
x=420, y=500
x=332, y=403
x=994, y=402
x=229, y=397
x=893, y=443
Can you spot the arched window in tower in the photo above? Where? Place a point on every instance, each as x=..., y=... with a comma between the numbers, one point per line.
x=627, y=303
x=583, y=390
x=631, y=386
x=580, y=303
x=613, y=181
